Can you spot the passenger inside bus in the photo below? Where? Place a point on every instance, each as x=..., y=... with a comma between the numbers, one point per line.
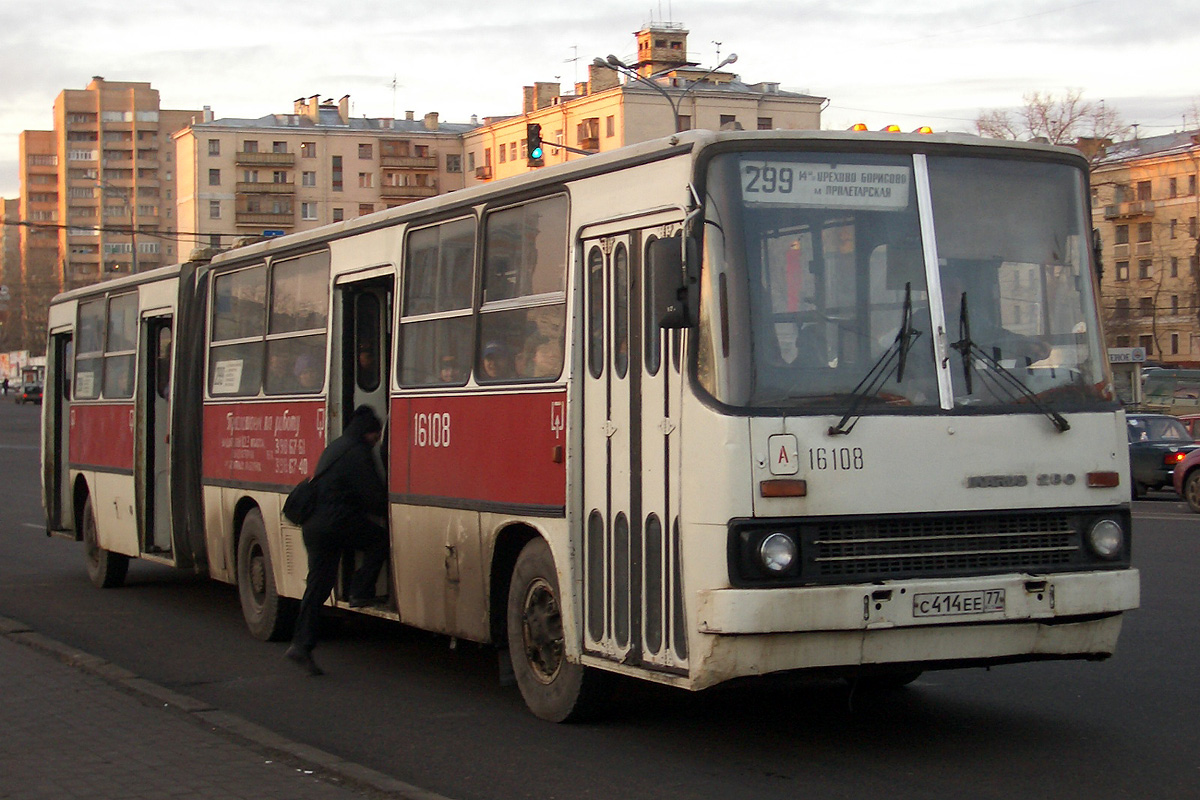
x=497, y=362
x=449, y=371
x=308, y=373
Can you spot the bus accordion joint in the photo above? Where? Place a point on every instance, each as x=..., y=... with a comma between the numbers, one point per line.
x=1103, y=480
x=783, y=487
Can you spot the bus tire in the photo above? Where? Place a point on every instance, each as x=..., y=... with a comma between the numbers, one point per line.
x=105, y=569
x=554, y=687
x=268, y=616
x=1191, y=490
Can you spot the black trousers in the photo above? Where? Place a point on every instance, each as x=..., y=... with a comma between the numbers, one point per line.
x=324, y=555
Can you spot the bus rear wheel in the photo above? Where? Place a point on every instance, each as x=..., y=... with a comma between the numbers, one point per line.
x=105, y=569
x=268, y=616
x=554, y=687
x=1191, y=490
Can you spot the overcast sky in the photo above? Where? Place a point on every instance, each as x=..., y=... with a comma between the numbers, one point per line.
x=937, y=62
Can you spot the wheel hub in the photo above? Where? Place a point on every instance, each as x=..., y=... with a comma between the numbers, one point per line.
x=542, y=631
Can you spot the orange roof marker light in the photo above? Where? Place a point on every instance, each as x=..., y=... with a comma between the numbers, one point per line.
x=890, y=129
x=858, y=126
x=924, y=129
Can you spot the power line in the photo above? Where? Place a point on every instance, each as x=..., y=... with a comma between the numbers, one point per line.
x=120, y=229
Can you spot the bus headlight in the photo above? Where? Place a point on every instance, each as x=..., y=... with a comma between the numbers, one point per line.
x=1106, y=538
x=777, y=552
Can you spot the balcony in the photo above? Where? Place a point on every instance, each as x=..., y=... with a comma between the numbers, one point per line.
x=263, y=218
x=409, y=162
x=265, y=159
x=407, y=191
x=265, y=188
x=483, y=173
x=1138, y=208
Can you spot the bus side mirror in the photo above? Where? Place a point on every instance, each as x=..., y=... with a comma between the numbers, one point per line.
x=1097, y=249
x=669, y=296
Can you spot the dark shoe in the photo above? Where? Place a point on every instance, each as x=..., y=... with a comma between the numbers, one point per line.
x=363, y=602
x=303, y=659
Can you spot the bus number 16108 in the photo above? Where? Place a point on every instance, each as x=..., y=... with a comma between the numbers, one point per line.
x=835, y=458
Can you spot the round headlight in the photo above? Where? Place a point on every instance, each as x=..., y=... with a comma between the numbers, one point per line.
x=777, y=552
x=1106, y=538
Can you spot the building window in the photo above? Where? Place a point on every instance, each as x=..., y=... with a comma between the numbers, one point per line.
x=1173, y=187
x=308, y=179
x=308, y=211
x=1146, y=307
x=453, y=162
x=1171, y=227
x=339, y=214
x=249, y=146
x=1174, y=344
x=278, y=147
x=1174, y=267
x=308, y=149
x=1192, y=227
x=1191, y=184
x=1122, y=270
x=728, y=119
x=1145, y=231
x=610, y=126
x=766, y=124
x=1122, y=309
x=366, y=180
x=1143, y=190
x=214, y=240
x=1122, y=234
x=1122, y=341
x=214, y=147
x=336, y=177
x=471, y=162
x=279, y=176
x=685, y=122
x=1174, y=304
x=214, y=209
x=504, y=154
x=1144, y=268
x=1146, y=342
x=364, y=151
x=512, y=151
x=365, y=208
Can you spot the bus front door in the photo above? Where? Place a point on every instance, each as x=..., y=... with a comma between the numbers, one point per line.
x=633, y=604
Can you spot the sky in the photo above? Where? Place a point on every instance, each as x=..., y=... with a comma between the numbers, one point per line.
x=934, y=62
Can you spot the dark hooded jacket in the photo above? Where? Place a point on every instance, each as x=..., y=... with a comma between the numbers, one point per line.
x=350, y=487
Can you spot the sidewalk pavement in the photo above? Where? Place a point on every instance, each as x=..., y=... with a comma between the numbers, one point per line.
x=75, y=726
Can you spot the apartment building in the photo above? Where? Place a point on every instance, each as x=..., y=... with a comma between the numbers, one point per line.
x=1146, y=205
x=291, y=172
x=609, y=111
x=97, y=194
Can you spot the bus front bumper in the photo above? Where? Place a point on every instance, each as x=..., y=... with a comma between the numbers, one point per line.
x=918, y=603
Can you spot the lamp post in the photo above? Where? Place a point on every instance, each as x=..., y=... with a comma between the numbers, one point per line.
x=131, y=202
x=617, y=65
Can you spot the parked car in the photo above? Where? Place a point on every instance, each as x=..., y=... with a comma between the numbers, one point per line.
x=1187, y=480
x=29, y=393
x=1192, y=423
x=1157, y=443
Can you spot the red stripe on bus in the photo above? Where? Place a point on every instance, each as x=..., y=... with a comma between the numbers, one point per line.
x=102, y=435
x=504, y=449
x=275, y=443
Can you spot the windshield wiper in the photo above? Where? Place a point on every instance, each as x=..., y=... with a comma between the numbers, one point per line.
x=998, y=378
x=890, y=362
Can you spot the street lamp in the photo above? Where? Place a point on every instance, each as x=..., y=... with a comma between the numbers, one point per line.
x=131, y=200
x=617, y=65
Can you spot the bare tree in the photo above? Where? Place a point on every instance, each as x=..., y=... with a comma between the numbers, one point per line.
x=1064, y=120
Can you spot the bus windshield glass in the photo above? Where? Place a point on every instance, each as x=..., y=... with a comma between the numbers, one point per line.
x=820, y=290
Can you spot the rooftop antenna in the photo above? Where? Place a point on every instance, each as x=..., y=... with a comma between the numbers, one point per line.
x=574, y=60
x=718, y=44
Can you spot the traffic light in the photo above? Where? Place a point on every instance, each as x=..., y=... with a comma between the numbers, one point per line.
x=533, y=142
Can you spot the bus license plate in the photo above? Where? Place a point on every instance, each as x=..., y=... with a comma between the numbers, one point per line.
x=945, y=604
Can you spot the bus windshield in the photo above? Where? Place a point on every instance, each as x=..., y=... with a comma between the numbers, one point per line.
x=818, y=290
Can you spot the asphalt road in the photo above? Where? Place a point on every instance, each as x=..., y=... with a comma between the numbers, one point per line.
x=414, y=707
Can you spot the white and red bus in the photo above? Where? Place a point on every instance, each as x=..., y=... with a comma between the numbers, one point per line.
x=716, y=406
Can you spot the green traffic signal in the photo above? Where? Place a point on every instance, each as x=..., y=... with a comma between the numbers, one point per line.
x=533, y=141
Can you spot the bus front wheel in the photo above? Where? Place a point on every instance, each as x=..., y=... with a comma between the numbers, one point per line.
x=105, y=568
x=268, y=616
x=554, y=687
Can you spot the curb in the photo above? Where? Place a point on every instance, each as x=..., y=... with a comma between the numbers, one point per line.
x=348, y=773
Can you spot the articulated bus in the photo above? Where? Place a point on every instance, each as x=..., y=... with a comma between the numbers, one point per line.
x=716, y=406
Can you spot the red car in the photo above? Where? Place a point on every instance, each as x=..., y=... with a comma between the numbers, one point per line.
x=1187, y=480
